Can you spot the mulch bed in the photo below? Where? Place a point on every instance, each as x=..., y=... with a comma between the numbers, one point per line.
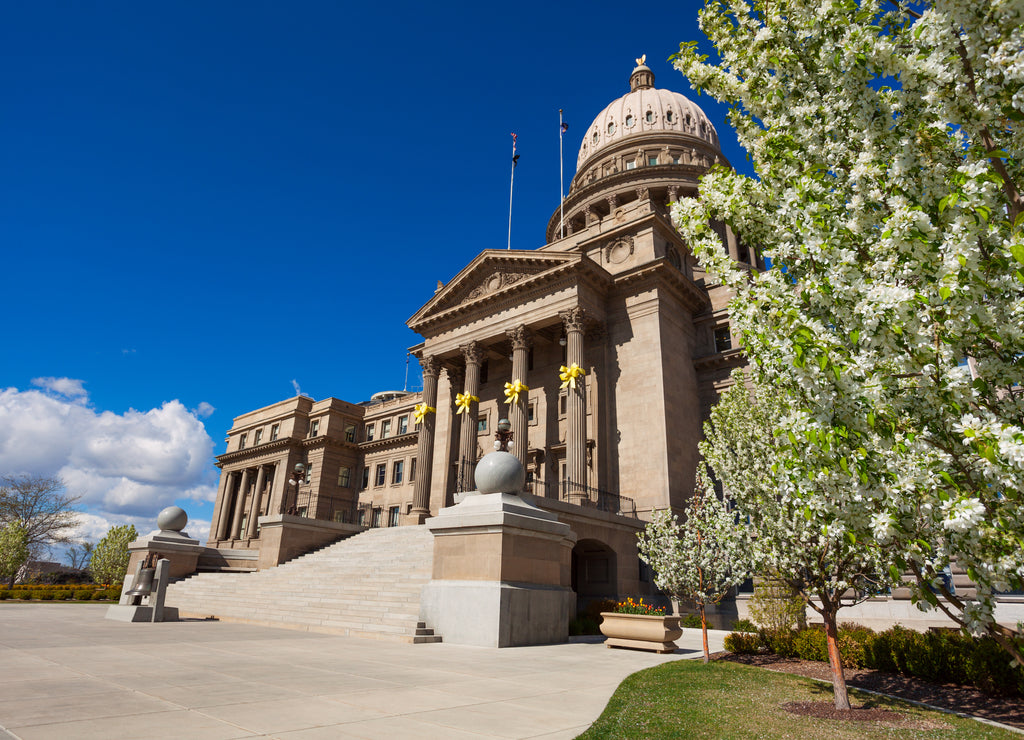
x=967, y=699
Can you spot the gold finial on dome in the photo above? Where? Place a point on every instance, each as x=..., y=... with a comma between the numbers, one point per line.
x=642, y=77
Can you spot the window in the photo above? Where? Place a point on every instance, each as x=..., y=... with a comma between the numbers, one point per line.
x=669, y=116
x=273, y=431
x=403, y=424
x=382, y=474
x=375, y=519
x=743, y=254
x=314, y=427
x=631, y=165
x=257, y=436
x=366, y=482
x=350, y=432
x=241, y=441
x=649, y=116
x=397, y=470
x=309, y=472
x=651, y=161
x=723, y=341
x=344, y=476
x=341, y=517
x=611, y=128
x=484, y=368
x=531, y=412
x=481, y=424
x=675, y=159
x=630, y=121
x=368, y=433
x=385, y=429
x=361, y=518
x=412, y=470
x=563, y=403
x=393, y=516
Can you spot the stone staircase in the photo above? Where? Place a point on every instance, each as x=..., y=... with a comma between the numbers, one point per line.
x=364, y=586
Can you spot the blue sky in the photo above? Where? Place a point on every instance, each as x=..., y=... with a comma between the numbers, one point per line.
x=201, y=203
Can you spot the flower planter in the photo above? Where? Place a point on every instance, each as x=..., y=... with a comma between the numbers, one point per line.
x=655, y=632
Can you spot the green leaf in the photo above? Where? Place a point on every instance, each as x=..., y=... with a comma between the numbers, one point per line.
x=808, y=513
x=792, y=438
x=944, y=292
x=871, y=419
x=844, y=465
x=1017, y=250
x=894, y=572
x=851, y=537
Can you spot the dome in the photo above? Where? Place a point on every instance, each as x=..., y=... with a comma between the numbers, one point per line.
x=644, y=110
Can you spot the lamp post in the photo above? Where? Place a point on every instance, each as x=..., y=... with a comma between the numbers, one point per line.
x=295, y=480
x=503, y=436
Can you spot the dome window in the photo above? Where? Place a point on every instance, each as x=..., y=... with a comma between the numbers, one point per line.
x=630, y=121
x=649, y=117
x=595, y=136
x=611, y=127
x=669, y=117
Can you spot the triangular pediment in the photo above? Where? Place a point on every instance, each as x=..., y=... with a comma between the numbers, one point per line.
x=491, y=272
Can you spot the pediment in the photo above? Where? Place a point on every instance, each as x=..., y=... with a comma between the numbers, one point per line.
x=490, y=273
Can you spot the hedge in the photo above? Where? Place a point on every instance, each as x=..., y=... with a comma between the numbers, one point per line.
x=941, y=655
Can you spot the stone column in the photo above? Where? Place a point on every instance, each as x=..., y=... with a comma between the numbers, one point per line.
x=425, y=442
x=576, y=416
x=236, y=521
x=224, y=513
x=473, y=355
x=519, y=412
x=254, y=507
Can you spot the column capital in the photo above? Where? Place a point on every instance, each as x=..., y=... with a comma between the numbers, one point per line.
x=472, y=352
x=430, y=365
x=520, y=337
x=574, y=319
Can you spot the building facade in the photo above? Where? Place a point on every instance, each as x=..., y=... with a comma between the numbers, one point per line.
x=605, y=348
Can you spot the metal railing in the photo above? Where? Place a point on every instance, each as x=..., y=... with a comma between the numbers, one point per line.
x=585, y=496
x=322, y=508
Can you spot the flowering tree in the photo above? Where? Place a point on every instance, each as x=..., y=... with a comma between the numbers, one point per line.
x=797, y=538
x=700, y=559
x=889, y=155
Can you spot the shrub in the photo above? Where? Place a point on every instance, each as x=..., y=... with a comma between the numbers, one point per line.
x=109, y=561
x=594, y=608
x=744, y=625
x=99, y=594
x=742, y=643
x=45, y=595
x=4, y=594
x=692, y=621
x=776, y=607
x=24, y=594
x=779, y=642
x=810, y=645
x=585, y=625
x=65, y=594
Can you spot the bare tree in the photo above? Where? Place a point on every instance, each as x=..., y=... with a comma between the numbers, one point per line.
x=41, y=505
x=79, y=554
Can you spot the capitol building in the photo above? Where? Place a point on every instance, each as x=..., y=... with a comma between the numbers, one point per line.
x=614, y=297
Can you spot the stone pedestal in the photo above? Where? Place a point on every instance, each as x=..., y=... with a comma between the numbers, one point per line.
x=502, y=573
x=182, y=550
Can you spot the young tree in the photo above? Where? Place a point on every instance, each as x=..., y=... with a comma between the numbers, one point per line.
x=700, y=559
x=13, y=551
x=889, y=160
x=109, y=562
x=797, y=535
x=41, y=505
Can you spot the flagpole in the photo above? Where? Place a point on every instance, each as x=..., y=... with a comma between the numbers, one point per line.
x=561, y=180
x=511, y=183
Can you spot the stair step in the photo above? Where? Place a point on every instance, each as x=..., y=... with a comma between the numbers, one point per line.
x=368, y=585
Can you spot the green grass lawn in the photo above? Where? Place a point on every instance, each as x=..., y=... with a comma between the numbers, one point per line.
x=687, y=699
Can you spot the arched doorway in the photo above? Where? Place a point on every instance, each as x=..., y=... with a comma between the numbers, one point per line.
x=594, y=572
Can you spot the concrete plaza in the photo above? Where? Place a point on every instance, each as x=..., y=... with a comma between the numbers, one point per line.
x=66, y=672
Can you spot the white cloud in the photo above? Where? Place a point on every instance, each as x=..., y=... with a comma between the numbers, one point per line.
x=134, y=463
x=295, y=385
x=67, y=387
x=204, y=409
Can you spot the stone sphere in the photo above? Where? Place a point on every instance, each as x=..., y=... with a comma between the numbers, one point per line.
x=499, y=472
x=173, y=519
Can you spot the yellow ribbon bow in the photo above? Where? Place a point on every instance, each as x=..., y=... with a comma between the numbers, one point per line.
x=513, y=389
x=463, y=401
x=569, y=375
x=421, y=410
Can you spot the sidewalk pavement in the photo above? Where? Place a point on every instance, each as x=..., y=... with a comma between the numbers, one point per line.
x=66, y=672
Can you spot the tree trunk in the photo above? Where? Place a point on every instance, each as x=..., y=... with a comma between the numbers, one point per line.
x=835, y=661
x=704, y=630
